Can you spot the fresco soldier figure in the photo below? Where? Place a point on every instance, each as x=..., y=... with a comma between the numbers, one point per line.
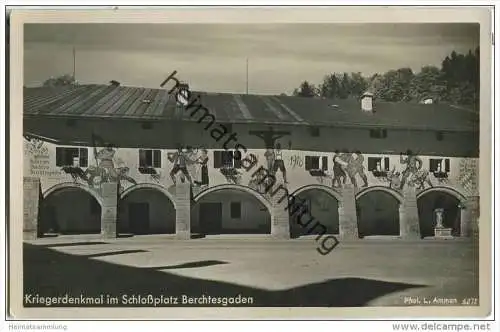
x=179, y=159
x=413, y=165
x=279, y=164
x=355, y=167
x=339, y=176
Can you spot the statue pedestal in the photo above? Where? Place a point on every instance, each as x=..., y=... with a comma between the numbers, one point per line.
x=441, y=232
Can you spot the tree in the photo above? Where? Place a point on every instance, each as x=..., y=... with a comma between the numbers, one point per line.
x=456, y=81
x=306, y=90
x=330, y=86
x=63, y=80
x=428, y=83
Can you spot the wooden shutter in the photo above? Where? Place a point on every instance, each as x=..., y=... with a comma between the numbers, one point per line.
x=324, y=163
x=308, y=163
x=447, y=165
x=157, y=158
x=386, y=164
x=217, y=159
x=237, y=159
x=59, y=156
x=142, y=158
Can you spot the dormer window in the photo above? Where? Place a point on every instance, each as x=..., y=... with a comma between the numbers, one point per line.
x=314, y=131
x=378, y=133
x=439, y=135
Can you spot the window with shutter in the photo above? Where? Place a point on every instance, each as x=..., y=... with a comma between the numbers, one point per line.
x=386, y=164
x=433, y=165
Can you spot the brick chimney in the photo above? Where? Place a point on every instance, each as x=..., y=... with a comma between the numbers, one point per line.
x=367, y=102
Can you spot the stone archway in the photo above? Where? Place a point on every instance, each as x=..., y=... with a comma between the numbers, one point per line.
x=231, y=209
x=70, y=208
x=450, y=200
x=146, y=209
x=379, y=212
x=322, y=204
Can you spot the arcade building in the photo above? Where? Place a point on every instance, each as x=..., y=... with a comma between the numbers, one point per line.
x=116, y=160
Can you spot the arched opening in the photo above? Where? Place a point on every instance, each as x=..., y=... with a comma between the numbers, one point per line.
x=378, y=214
x=146, y=211
x=427, y=204
x=230, y=211
x=69, y=210
x=321, y=206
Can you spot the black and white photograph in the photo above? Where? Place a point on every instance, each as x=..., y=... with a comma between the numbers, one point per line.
x=251, y=165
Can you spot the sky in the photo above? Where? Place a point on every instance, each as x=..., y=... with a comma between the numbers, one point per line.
x=213, y=57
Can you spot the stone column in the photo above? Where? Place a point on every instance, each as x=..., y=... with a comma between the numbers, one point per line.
x=280, y=216
x=469, y=217
x=183, y=211
x=31, y=207
x=109, y=210
x=409, y=219
x=348, y=217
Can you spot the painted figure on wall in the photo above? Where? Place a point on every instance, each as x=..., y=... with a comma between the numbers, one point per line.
x=355, y=167
x=339, y=175
x=269, y=155
x=180, y=160
x=203, y=162
x=413, y=174
x=105, y=170
x=279, y=164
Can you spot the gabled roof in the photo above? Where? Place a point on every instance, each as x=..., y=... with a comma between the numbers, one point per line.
x=105, y=101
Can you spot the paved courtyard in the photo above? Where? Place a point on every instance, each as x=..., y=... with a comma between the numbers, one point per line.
x=369, y=272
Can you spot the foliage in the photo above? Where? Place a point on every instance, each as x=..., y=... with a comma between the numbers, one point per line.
x=456, y=82
x=306, y=90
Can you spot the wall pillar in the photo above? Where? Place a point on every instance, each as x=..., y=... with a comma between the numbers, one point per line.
x=183, y=211
x=109, y=210
x=409, y=220
x=348, y=217
x=280, y=217
x=31, y=207
x=469, y=217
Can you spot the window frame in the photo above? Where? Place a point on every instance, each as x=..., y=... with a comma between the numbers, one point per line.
x=156, y=158
x=62, y=152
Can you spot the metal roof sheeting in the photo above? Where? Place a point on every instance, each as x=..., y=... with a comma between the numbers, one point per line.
x=106, y=101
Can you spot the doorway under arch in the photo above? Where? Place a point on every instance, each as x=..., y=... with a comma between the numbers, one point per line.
x=146, y=210
x=229, y=210
x=321, y=206
x=428, y=202
x=378, y=213
x=69, y=210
